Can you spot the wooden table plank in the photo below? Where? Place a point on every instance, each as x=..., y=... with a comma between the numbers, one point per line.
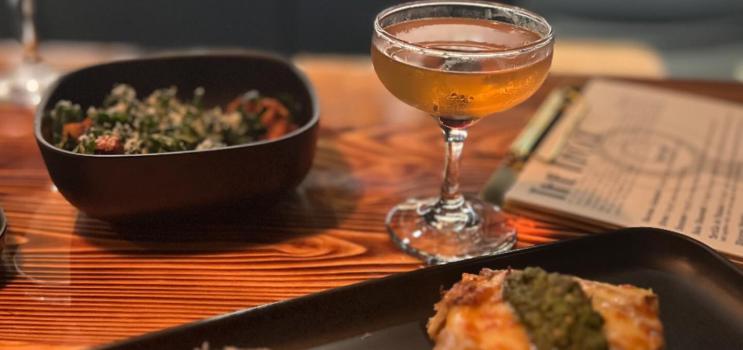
x=70, y=281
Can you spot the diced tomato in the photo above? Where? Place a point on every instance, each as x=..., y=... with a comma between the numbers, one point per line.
x=269, y=117
x=108, y=144
x=74, y=130
x=272, y=103
x=277, y=129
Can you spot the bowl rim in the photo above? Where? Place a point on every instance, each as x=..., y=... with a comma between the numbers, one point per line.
x=311, y=123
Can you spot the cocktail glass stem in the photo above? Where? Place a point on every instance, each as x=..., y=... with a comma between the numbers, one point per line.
x=451, y=226
x=454, y=139
x=451, y=212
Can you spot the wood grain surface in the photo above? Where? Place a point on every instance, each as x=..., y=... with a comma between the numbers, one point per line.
x=69, y=281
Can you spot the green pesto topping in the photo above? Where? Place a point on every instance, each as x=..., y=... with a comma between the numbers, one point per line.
x=554, y=310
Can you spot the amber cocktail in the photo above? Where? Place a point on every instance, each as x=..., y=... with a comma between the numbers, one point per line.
x=459, y=61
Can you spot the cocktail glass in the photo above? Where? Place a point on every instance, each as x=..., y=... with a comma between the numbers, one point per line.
x=459, y=61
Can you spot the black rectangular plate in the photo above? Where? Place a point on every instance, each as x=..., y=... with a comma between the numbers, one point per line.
x=701, y=299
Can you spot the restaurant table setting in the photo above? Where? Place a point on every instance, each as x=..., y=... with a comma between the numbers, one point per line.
x=241, y=200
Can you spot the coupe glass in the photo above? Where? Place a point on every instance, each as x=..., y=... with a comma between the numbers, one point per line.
x=26, y=82
x=459, y=61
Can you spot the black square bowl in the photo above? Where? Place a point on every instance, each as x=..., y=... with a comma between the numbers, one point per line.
x=123, y=187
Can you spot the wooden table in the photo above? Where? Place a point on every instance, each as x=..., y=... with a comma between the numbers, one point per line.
x=70, y=281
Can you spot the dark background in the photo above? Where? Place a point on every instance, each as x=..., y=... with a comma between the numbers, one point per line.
x=287, y=26
x=695, y=37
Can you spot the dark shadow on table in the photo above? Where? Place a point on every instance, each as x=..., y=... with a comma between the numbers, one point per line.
x=7, y=272
x=322, y=201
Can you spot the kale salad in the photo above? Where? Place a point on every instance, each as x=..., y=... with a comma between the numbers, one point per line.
x=161, y=122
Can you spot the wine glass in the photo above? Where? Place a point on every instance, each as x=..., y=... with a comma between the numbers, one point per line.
x=459, y=61
x=25, y=84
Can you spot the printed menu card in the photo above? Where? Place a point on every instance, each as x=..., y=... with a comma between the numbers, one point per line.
x=629, y=154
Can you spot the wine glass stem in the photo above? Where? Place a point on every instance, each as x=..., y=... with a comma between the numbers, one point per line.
x=29, y=38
